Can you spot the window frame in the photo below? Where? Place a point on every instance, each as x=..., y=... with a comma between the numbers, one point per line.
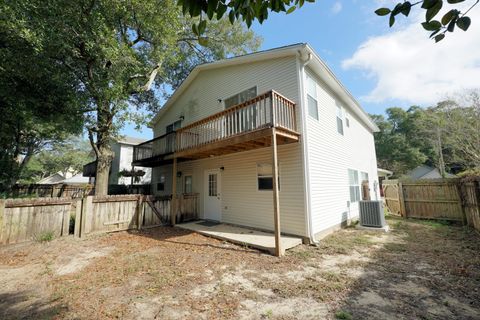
x=161, y=182
x=172, y=127
x=267, y=176
x=340, y=119
x=185, y=183
x=357, y=194
x=312, y=95
x=239, y=100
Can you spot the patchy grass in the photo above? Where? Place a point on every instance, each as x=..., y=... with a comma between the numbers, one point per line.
x=421, y=269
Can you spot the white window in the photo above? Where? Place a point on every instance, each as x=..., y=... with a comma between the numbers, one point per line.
x=174, y=126
x=354, y=186
x=312, y=98
x=340, y=120
x=265, y=176
x=187, y=188
x=241, y=97
x=161, y=182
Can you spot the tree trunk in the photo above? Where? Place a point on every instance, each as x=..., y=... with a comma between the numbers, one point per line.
x=104, y=162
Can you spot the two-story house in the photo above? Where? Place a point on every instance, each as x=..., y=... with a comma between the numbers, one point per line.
x=234, y=125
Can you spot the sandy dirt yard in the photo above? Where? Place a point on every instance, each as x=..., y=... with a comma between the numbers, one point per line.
x=419, y=270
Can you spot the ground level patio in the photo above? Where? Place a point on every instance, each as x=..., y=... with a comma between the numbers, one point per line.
x=243, y=236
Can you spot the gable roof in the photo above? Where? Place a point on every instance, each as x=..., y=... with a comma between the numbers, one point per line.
x=130, y=140
x=301, y=49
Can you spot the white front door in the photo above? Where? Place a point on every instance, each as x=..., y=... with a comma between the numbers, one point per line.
x=212, y=192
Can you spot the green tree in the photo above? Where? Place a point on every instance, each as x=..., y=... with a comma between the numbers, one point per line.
x=118, y=51
x=38, y=102
x=64, y=157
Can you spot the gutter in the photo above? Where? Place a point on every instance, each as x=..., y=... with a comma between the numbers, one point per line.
x=303, y=62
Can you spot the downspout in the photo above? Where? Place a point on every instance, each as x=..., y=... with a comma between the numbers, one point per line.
x=303, y=63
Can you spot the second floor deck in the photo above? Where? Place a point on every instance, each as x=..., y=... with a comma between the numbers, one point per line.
x=242, y=127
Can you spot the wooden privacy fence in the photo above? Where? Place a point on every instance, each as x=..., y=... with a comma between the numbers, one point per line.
x=445, y=199
x=52, y=190
x=29, y=219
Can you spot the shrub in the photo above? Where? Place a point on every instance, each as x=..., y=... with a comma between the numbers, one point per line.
x=46, y=236
x=343, y=315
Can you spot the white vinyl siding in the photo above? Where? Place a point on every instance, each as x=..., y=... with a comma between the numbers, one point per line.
x=242, y=203
x=330, y=155
x=203, y=97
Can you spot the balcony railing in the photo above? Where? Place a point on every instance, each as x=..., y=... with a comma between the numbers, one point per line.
x=159, y=146
x=267, y=110
x=264, y=111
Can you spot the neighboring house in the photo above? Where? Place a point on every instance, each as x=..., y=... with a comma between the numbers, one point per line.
x=77, y=179
x=120, y=171
x=426, y=172
x=52, y=179
x=218, y=129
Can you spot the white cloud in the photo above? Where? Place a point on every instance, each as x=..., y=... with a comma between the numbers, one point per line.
x=406, y=65
x=337, y=7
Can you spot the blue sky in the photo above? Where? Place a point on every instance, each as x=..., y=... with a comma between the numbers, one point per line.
x=381, y=67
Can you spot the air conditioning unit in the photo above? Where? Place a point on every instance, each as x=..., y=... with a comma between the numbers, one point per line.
x=371, y=214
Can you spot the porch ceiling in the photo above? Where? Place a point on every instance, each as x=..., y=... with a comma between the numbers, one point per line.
x=247, y=141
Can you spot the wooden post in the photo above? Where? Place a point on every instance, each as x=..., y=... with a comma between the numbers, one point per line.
x=276, y=203
x=401, y=200
x=87, y=213
x=140, y=211
x=2, y=218
x=78, y=219
x=132, y=178
x=173, y=205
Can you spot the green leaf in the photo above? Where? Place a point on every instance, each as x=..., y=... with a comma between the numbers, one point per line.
x=231, y=16
x=427, y=4
x=435, y=32
x=392, y=20
x=195, y=29
x=406, y=7
x=382, y=11
x=432, y=12
x=291, y=9
x=221, y=10
x=455, y=1
x=439, y=37
x=451, y=25
x=432, y=25
x=447, y=17
x=202, y=26
x=203, y=41
x=463, y=23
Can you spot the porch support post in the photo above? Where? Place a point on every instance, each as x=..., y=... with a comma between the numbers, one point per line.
x=173, y=205
x=276, y=201
x=132, y=178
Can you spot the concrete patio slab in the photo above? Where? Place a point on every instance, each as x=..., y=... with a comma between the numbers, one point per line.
x=241, y=235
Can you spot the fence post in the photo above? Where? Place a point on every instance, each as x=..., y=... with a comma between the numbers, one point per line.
x=459, y=186
x=2, y=213
x=78, y=218
x=401, y=200
x=87, y=213
x=140, y=212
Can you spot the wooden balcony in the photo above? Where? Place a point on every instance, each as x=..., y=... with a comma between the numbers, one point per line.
x=243, y=127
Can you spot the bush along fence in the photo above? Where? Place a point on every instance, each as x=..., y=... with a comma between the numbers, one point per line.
x=442, y=199
x=44, y=218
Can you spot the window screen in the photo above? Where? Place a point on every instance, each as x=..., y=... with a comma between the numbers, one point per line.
x=312, y=98
x=241, y=97
x=174, y=126
x=354, y=186
x=340, y=120
x=188, y=185
x=265, y=176
x=161, y=183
